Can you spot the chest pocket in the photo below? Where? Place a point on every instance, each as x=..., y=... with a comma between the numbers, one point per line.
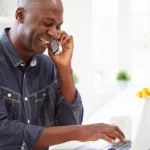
x=44, y=107
x=40, y=96
x=12, y=102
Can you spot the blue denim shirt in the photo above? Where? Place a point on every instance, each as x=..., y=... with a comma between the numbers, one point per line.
x=30, y=100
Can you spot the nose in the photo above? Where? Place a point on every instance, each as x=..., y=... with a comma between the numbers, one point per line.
x=53, y=33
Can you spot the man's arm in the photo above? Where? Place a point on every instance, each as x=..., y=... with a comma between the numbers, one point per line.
x=63, y=65
x=67, y=87
x=84, y=133
x=67, y=112
x=56, y=135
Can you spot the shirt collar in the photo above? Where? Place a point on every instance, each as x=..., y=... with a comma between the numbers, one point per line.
x=11, y=52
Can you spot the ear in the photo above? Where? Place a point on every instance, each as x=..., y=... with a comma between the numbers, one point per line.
x=20, y=14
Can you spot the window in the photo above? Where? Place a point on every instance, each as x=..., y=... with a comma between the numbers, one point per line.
x=121, y=40
x=140, y=41
x=105, y=40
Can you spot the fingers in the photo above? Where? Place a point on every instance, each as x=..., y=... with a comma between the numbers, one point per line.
x=63, y=37
x=67, y=39
x=103, y=136
x=116, y=133
x=117, y=129
x=101, y=131
x=107, y=138
x=113, y=132
x=119, y=136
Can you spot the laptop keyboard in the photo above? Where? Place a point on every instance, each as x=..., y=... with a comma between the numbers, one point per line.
x=119, y=146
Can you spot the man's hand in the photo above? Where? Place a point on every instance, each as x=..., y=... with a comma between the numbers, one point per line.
x=83, y=133
x=66, y=41
x=103, y=131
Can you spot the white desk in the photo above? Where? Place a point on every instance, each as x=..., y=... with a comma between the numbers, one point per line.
x=124, y=104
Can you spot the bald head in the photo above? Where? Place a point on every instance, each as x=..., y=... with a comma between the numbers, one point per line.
x=36, y=3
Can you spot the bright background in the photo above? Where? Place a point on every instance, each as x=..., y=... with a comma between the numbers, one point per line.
x=109, y=35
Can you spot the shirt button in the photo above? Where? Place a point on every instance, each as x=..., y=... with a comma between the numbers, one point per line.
x=9, y=94
x=28, y=121
x=44, y=94
x=24, y=75
x=22, y=64
x=25, y=98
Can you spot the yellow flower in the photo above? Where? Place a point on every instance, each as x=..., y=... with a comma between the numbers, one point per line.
x=139, y=94
x=145, y=94
x=145, y=90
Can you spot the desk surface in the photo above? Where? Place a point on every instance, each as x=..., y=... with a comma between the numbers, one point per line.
x=124, y=105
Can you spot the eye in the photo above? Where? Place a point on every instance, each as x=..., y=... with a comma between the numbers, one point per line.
x=58, y=27
x=48, y=24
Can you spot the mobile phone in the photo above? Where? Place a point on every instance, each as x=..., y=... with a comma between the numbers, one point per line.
x=56, y=49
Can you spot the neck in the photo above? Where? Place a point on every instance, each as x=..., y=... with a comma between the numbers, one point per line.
x=15, y=40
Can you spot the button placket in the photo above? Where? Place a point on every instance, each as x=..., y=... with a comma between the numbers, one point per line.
x=25, y=93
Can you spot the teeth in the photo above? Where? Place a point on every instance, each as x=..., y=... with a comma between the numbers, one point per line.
x=44, y=42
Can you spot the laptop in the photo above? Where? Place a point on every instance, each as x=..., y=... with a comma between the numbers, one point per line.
x=141, y=140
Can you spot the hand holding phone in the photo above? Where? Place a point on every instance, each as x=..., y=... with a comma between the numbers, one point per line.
x=62, y=45
x=56, y=49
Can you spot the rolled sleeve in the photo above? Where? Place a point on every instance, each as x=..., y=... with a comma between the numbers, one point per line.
x=70, y=114
x=31, y=135
x=16, y=135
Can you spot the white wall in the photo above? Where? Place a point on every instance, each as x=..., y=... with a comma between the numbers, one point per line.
x=112, y=34
x=7, y=13
x=7, y=7
x=78, y=22
x=124, y=35
x=105, y=36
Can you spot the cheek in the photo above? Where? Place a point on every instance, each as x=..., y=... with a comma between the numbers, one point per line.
x=42, y=30
x=30, y=34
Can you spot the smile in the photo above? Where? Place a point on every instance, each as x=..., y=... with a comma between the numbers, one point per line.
x=44, y=41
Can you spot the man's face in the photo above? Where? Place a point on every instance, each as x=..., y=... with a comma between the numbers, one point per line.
x=40, y=25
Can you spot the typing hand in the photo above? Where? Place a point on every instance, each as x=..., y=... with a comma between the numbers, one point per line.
x=103, y=131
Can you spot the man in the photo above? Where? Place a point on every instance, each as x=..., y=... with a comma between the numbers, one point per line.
x=37, y=92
